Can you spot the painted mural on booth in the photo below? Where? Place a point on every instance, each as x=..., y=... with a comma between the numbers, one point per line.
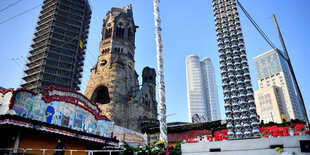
x=60, y=113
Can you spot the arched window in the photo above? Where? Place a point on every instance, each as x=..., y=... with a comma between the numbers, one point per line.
x=108, y=33
x=129, y=33
x=101, y=95
x=119, y=31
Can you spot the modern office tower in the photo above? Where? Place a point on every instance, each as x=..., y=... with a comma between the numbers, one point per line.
x=240, y=107
x=272, y=71
x=58, y=48
x=201, y=90
x=211, y=89
x=268, y=104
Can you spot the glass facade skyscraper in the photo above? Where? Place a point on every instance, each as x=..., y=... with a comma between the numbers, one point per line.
x=272, y=71
x=57, y=52
x=201, y=90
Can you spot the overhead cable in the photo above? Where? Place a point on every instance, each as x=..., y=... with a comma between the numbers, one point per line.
x=10, y=5
x=260, y=30
x=20, y=14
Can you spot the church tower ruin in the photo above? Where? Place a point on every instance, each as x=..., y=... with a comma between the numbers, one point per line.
x=114, y=82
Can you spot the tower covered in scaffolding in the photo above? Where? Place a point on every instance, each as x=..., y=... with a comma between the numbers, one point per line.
x=56, y=56
x=240, y=108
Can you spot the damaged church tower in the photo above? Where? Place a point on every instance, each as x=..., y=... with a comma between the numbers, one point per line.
x=114, y=82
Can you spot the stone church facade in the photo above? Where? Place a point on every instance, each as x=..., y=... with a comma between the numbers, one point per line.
x=114, y=82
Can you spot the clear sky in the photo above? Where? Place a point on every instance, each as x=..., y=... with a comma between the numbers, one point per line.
x=188, y=28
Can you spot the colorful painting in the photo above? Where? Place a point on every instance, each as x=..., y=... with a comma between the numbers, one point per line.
x=60, y=112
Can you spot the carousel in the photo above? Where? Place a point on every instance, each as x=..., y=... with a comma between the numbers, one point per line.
x=31, y=123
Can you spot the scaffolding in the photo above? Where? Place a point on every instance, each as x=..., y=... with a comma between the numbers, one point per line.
x=58, y=47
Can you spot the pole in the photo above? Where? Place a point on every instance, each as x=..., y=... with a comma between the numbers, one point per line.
x=160, y=78
x=287, y=58
x=17, y=141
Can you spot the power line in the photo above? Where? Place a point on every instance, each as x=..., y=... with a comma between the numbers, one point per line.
x=14, y=59
x=260, y=30
x=20, y=14
x=256, y=26
x=91, y=54
x=10, y=5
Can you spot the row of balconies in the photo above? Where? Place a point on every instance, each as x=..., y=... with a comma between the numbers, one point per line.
x=235, y=97
x=45, y=26
x=48, y=3
x=46, y=31
x=39, y=41
x=32, y=76
x=49, y=9
x=230, y=47
x=225, y=13
x=238, y=111
x=46, y=15
x=237, y=90
x=35, y=62
x=40, y=37
x=40, y=44
x=227, y=2
x=237, y=69
x=37, y=57
x=235, y=72
x=31, y=85
x=239, y=83
x=30, y=70
x=236, y=65
x=221, y=8
x=34, y=52
x=44, y=21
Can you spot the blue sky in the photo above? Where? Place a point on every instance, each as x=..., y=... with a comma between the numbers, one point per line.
x=188, y=28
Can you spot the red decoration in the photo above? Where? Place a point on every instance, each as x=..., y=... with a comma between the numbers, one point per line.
x=3, y=91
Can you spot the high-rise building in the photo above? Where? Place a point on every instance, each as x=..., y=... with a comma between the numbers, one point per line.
x=211, y=89
x=272, y=71
x=58, y=48
x=201, y=90
x=240, y=107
